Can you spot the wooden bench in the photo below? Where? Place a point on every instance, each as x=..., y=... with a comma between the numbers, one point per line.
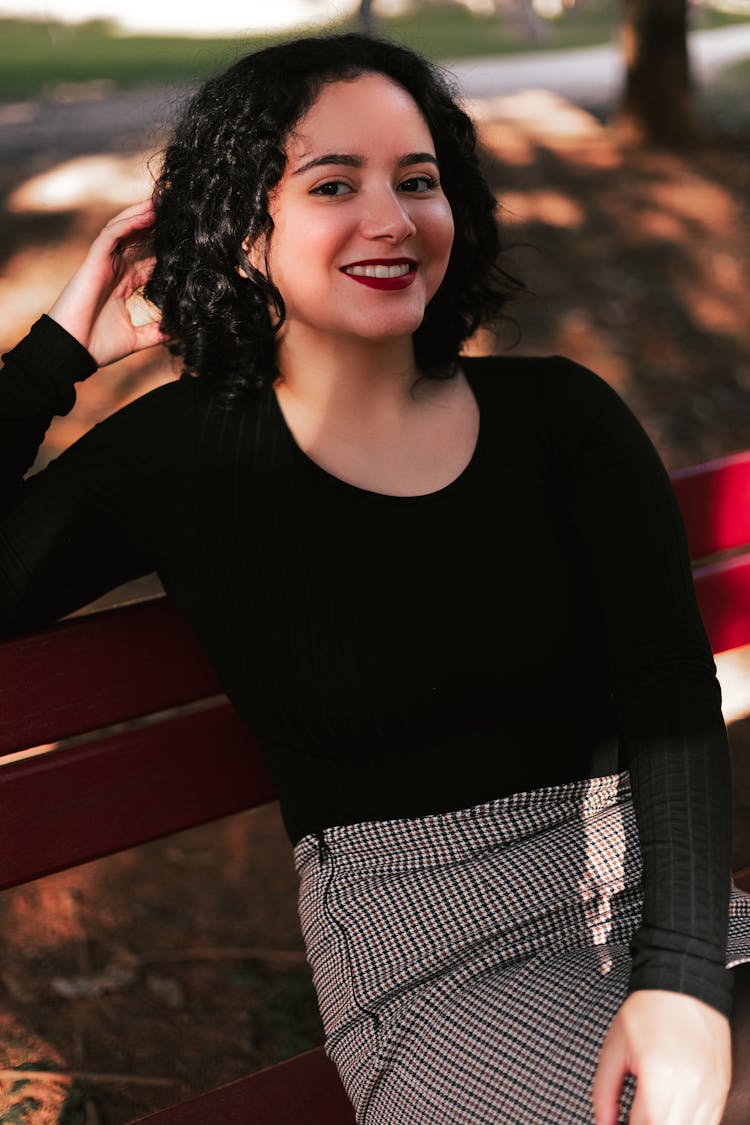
x=123, y=787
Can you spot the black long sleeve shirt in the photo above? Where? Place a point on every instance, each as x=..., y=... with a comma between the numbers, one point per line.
x=395, y=655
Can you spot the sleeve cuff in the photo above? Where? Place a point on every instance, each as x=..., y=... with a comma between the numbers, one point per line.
x=52, y=362
x=693, y=976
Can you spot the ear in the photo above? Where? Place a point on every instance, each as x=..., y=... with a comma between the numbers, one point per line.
x=252, y=254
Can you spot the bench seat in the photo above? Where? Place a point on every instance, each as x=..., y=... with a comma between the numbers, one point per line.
x=304, y=1090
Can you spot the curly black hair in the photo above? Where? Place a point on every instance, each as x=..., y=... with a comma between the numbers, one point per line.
x=226, y=155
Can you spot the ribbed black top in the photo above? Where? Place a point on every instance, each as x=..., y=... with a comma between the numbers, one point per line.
x=398, y=656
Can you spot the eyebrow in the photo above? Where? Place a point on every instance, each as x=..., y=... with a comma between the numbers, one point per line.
x=351, y=161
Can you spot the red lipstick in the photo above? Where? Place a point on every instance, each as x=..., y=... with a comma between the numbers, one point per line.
x=391, y=283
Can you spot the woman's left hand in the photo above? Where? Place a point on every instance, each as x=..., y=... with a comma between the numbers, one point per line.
x=680, y=1051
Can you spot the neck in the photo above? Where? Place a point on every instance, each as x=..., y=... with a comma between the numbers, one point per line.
x=347, y=376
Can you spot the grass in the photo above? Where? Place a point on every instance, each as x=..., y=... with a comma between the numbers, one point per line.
x=451, y=31
x=38, y=56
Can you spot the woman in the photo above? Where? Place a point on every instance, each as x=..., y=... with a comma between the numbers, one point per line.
x=451, y=597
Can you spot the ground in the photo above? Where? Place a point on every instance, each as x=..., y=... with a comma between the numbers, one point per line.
x=168, y=969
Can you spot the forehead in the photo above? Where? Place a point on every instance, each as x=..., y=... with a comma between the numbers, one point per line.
x=370, y=110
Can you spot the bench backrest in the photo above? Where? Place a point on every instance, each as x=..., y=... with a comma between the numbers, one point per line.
x=162, y=768
x=95, y=793
x=715, y=502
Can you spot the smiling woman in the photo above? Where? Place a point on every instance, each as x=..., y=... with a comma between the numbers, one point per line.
x=308, y=165
x=354, y=212
x=514, y=859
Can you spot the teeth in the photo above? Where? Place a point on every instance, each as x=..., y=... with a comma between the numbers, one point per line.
x=378, y=271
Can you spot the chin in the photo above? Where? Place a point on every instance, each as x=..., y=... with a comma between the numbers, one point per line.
x=389, y=327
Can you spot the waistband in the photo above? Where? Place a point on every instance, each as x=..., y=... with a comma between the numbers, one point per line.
x=503, y=820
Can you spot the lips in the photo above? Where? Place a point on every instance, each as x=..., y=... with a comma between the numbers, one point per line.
x=382, y=273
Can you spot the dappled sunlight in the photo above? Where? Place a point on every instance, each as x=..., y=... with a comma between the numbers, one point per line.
x=659, y=226
x=638, y=263
x=481, y=343
x=692, y=197
x=118, y=943
x=709, y=311
x=508, y=142
x=635, y=261
x=85, y=192
x=549, y=207
x=733, y=671
x=713, y=292
x=542, y=114
x=723, y=270
x=30, y=283
x=603, y=873
x=105, y=180
x=32, y=752
x=603, y=155
x=577, y=335
x=20, y=1045
x=47, y=913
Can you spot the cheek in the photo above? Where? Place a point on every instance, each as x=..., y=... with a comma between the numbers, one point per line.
x=302, y=260
x=311, y=237
x=440, y=229
x=438, y=233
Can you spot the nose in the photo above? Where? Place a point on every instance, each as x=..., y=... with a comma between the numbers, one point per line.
x=387, y=217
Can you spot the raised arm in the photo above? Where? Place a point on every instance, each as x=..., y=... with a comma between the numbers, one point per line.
x=94, y=305
x=57, y=551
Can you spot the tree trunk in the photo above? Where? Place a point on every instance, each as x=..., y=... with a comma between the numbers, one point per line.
x=366, y=17
x=657, y=105
x=527, y=21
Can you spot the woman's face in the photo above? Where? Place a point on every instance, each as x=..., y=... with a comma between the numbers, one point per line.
x=360, y=196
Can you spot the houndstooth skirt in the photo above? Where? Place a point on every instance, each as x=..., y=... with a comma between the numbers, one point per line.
x=468, y=964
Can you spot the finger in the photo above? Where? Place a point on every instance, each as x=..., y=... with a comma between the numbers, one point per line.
x=608, y=1080
x=149, y=335
x=651, y=1108
x=658, y=1101
x=639, y=1112
x=136, y=212
x=134, y=219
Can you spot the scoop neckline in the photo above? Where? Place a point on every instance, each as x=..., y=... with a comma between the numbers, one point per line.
x=388, y=497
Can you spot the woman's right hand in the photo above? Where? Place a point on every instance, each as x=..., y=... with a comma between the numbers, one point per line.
x=93, y=305
x=680, y=1051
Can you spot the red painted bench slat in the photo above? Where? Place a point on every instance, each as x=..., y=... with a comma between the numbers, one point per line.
x=142, y=784
x=304, y=1090
x=99, y=669
x=723, y=591
x=72, y=805
x=715, y=502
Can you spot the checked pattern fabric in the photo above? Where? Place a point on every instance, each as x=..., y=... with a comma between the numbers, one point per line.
x=468, y=964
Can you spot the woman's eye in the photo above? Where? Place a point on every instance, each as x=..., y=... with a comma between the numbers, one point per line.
x=331, y=188
x=418, y=184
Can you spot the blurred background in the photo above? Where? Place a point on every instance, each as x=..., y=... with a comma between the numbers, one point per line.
x=616, y=134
